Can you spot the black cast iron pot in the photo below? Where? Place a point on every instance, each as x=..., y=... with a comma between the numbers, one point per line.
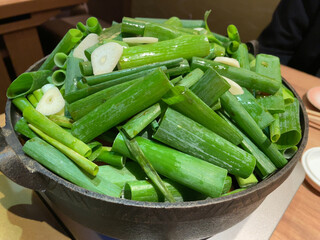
x=125, y=219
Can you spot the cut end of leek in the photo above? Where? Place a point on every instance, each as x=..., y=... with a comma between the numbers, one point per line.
x=137, y=40
x=235, y=89
x=229, y=61
x=89, y=41
x=105, y=58
x=51, y=103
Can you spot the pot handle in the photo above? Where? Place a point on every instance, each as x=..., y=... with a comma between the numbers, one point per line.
x=13, y=167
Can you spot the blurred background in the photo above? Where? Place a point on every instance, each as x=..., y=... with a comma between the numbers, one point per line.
x=250, y=16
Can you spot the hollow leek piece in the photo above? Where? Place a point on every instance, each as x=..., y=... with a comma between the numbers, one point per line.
x=145, y=191
x=289, y=125
x=189, y=171
x=187, y=23
x=58, y=163
x=93, y=80
x=251, y=128
x=61, y=120
x=21, y=103
x=81, y=161
x=55, y=131
x=136, y=124
x=147, y=167
x=93, y=25
x=247, y=182
x=227, y=185
x=73, y=74
x=184, y=46
x=269, y=66
x=85, y=105
x=119, y=176
x=22, y=127
x=288, y=151
x=190, y=137
x=210, y=87
x=242, y=56
x=86, y=68
x=60, y=60
x=216, y=50
x=58, y=77
x=264, y=166
x=186, y=102
x=132, y=100
x=112, y=158
x=27, y=83
x=38, y=94
x=243, y=77
x=32, y=99
x=191, y=78
x=70, y=39
x=260, y=115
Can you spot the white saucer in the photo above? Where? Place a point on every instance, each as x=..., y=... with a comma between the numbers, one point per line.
x=311, y=164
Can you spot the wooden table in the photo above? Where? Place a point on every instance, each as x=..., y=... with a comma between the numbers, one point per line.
x=301, y=220
x=18, y=22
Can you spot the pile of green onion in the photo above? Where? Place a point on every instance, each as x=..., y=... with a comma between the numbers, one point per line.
x=157, y=110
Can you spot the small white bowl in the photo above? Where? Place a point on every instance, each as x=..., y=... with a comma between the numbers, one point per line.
x=311, y=165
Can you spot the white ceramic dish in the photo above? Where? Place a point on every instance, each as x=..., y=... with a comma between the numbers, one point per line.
x=311, y=165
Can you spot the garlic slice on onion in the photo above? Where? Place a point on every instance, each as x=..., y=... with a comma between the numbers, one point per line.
x=51, y=102
x=105, y=58
x=229, y=61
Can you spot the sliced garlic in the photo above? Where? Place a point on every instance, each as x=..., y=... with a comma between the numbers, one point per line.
x=105, y=58
x=51, y=102
x=87, y=42
x=46, y=87
x=229, y=61
x=137, y=40
x=235, y=89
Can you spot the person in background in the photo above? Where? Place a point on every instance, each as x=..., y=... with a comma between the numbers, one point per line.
x=294, y=35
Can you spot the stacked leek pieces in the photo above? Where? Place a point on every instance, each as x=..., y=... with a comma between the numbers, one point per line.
x=168, y=121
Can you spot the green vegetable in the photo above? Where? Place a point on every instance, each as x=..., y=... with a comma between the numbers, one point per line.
x=70, y=39
x=210, y=87
x=58, y=77
x=136, y=124
x=60, y=60
x=58, y=163
x=260, y=115
x=243, y=77
x=27, y=83
x=22, y=127
x=32, y=99
x=78, y=159
x=112, y=158
x=247, y=182
x=145, y=191
x=186, y=102
x=120, y=107
x=183, y=46
x=53, y=130
x=191, y=78
x=62, y=121
x=251, y=128
x=147, y=167
x=184, y=134
x=189, y=171
x=93, y=80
